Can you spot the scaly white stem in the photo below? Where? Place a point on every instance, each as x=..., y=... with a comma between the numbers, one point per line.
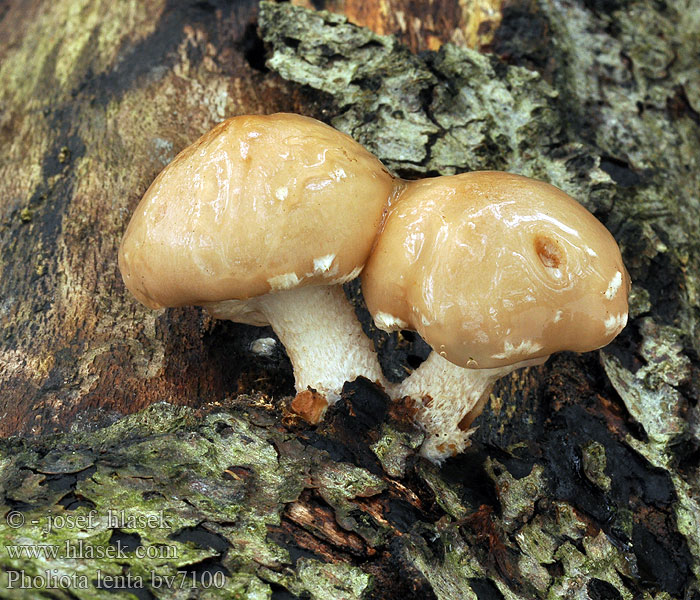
x=448, y=399
x=318, y=327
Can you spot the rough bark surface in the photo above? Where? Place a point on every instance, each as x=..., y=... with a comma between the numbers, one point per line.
x=582, y=481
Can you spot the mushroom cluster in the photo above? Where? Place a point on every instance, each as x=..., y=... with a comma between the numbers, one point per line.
x=262, y=219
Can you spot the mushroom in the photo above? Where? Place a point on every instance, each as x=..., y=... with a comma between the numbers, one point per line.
x=260, y=221
x=496, y=272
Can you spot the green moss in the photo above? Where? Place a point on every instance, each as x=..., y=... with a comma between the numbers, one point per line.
x=162, y=472
x=339, y=484
x=327, y=580
x=651, y=393
x=26, y=215
x=594, y=463
x=517, y=496
x=448, y=564
x=447, y=497
x=394, y=447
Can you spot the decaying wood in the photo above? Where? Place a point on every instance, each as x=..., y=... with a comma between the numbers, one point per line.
x=470, y=23
x=582, y=481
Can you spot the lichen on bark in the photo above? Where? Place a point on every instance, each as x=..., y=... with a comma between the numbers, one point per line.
x=166, y=493
x=612, y=118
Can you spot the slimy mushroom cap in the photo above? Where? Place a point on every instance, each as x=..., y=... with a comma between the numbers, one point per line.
x=494, y=269
x=259, y=221
x=258, y=204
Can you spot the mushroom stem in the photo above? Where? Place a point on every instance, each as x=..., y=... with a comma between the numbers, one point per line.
x=448, y=399
x=318, y=328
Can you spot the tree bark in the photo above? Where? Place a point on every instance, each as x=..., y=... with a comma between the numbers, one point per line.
x=582, y=480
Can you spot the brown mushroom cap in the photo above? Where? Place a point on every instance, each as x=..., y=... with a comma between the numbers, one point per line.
x=493, y=269
x=257, y=204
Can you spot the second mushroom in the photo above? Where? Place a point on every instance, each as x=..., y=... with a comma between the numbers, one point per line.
x=496, y=272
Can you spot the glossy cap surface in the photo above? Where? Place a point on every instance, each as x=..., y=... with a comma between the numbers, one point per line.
x=493, y=269
x=259, y=203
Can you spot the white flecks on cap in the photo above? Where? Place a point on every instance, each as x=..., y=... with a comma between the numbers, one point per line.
x=557, y=316
x=526, y=347
x=614, y=286
x=284, y=281
x=387, y=322
x=316, y=185
x=323, y=263
x=615, y=323
x=338, y=174
x=281, y=193
x=591, y=251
